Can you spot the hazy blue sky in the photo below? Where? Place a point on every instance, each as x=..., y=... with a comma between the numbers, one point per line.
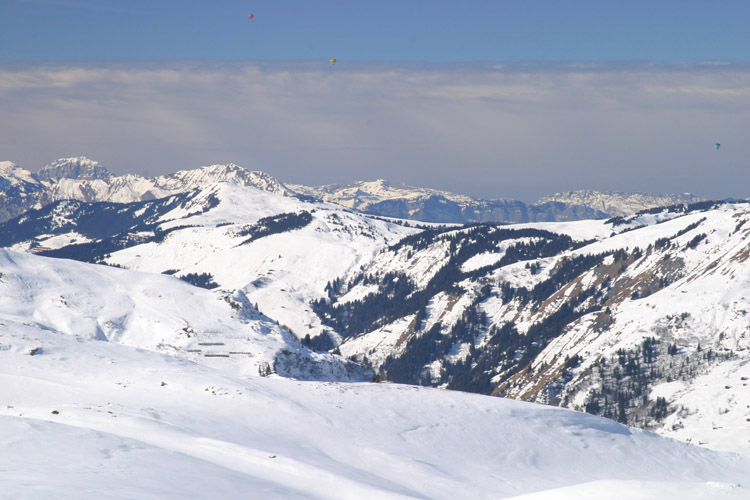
x=386, y=30
x=492, y=98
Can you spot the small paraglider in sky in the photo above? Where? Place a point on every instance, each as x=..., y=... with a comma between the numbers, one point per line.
x=717, y=146
x=333, y=61
x=251, y=16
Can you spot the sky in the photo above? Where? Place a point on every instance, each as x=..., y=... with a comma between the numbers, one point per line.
x=495, y=99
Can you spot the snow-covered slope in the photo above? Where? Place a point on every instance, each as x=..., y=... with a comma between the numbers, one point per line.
x=690, y=294
x=281, y=270
x=120, y=384
x=84, y=419
x=641, y=319
x=155, y=312
x=280, y=251
x=10, y=174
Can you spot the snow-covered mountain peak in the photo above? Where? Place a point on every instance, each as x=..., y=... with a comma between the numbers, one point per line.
x=80, y=168
x=230, y=172
x=368, y=195
x=83, y=179
x=10, y=174
x=385, y=189
x=6, y=167
x=223, y=171
x=86, y=180
x=379, y=185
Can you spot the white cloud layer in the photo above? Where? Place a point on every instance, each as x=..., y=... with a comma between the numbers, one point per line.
x=486, y=130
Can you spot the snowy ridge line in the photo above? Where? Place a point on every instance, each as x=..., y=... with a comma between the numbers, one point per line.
x=83, y=179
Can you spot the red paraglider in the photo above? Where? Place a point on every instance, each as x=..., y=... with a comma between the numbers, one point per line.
x=251, y=16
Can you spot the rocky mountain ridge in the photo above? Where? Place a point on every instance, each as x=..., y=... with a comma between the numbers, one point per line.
x=389, y=199
x=86, y=180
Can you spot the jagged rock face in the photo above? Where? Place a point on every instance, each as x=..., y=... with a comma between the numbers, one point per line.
x=79, y=168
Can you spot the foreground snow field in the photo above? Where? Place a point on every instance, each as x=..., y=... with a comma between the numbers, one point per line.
x=81, y=418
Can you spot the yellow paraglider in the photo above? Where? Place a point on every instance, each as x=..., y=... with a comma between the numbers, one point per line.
x=333, y=61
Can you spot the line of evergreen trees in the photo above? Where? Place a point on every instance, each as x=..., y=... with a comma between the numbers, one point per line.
x=275, y=224
x=203, y=280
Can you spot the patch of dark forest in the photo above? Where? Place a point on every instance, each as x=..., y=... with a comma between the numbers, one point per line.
x=397, y=296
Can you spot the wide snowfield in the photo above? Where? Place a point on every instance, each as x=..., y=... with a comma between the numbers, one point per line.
x=92, y=419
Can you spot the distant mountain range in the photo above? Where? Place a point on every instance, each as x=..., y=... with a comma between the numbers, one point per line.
x=407, y=202
x=86, y=180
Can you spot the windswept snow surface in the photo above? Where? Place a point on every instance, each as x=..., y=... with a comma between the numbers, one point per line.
x=85, y=419
x=155, y=312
